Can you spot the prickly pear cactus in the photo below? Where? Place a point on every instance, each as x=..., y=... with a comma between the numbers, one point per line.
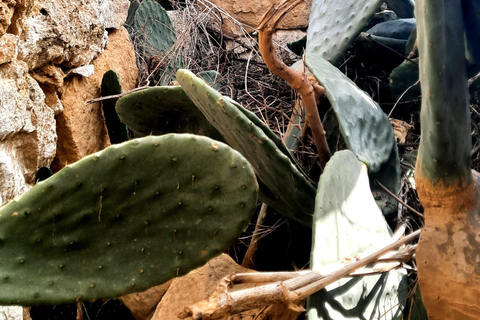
x=334, y=25
x=158, y=36
x=347, y=222
x=403, y=8
x=364, y=125
x=285, y=188
x=161, y=110
x=117, y=131
x=124, y=219
x=403, y=81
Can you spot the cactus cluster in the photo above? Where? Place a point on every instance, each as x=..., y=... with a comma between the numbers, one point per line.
x=124, y=219
x=283, y=186
x=150, y=23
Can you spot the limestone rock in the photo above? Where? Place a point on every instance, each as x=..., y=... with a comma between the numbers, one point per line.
x=8, y=48
x=7, y=8
x=71, y=33
x=27, y=130
x=142, y=304
x=249, y=12
x=81, y=126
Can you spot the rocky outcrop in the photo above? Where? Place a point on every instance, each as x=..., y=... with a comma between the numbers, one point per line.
x=70, y=33
x=27, y=130
x=81, y=126
x=249, y=12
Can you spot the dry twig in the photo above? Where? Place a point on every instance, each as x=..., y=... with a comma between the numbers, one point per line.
x=291, y=291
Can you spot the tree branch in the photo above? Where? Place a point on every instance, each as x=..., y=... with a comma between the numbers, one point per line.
x=310, y=92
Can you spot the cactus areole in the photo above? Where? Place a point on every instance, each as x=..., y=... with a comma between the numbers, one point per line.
x=123, y=220
x=448, y=254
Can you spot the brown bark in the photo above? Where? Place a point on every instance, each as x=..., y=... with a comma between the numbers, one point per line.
x=309, y=91
x=448, y=254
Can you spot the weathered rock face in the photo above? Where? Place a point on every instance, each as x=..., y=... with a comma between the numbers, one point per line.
x=27, y=130
x=81, y=126
x=70, y=33
x=249, y=12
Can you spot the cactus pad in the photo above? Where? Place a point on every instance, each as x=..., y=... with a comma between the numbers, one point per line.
x=125, y=219
x=158, y=36
x=363, y=124
x=117, y=131
x=347, y=222
x=161, y=110
x=288, y=190
x=334, y=25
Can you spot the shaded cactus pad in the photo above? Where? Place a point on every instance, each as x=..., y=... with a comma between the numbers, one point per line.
x=161, y=110
x=124, y=219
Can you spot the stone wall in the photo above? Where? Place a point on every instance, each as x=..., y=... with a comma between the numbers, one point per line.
x=43, y=97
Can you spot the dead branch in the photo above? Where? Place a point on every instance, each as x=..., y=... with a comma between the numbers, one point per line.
x=310, y=92
x=117, y=96
x=289, y=289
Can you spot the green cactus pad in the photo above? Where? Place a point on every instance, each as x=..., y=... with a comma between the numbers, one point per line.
x=161, y=110
x=403, y=79
x=132, y=9
x=334, y=25
x=158, y=36
x=363, y=124
x=288, y=191
x=445, y=146
x=347, y=222
x=403, y=8
x=124, y=219
x=117, y=131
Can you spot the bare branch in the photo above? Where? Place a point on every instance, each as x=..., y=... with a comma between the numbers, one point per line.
x=292, y=289
x=309, y=91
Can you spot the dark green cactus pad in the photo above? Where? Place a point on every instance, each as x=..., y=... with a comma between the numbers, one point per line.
x=334, y=25
x=117, y=131
x=445, y=147
x=403, y=8
x=347, y=222
x=382, y=16
x=124, y=219
x=332, y=132
x=161, y=110
x=155, y=28
x=403, y=79
x=288, y=190
x=132, y=9
x=395, y=29
x=471, y=16
x=363, y=124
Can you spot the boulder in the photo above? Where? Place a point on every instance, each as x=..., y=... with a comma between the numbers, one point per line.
x=249, y=12
x=200, y=283
x=81, y=126
x=142, y=305
x=27, y=130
